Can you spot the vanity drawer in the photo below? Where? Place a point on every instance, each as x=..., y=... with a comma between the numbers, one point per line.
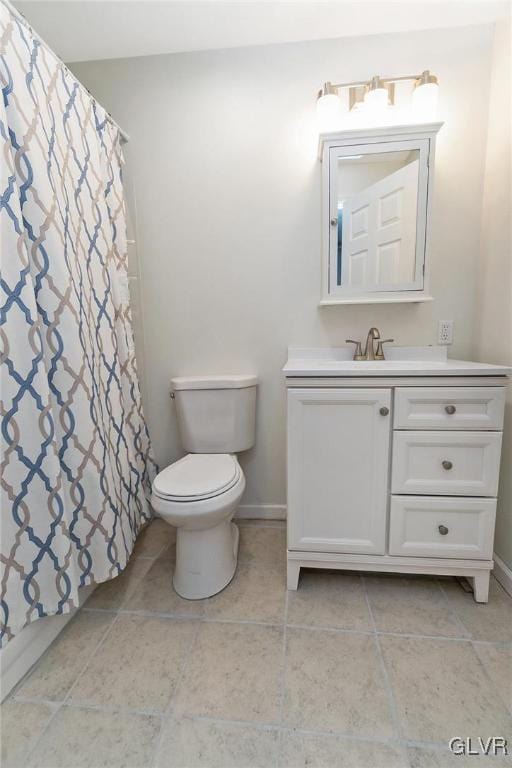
x=442, y=527
x=446, y=463
x=449, y=407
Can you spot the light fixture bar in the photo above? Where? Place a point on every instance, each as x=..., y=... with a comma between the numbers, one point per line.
x=421, y=76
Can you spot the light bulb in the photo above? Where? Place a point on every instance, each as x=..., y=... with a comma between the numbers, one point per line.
x=329, y=112
x=425, y=97
x=376, y=98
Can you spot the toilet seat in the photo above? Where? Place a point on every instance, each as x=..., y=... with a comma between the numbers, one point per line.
x=196, y=477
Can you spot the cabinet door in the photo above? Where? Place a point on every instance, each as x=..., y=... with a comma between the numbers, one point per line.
x=338, y=469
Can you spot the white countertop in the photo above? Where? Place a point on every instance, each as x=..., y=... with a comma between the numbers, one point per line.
x=400, y=361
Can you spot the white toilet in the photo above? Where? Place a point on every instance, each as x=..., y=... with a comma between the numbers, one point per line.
x=200, y=493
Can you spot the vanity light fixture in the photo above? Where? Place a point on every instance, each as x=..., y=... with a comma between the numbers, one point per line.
x=373, y=102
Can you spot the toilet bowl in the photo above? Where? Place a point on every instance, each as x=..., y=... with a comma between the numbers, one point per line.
x=199, y=494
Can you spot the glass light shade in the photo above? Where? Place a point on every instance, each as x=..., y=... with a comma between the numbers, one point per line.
x=376, y=98
x=424, y=101
x=329, y=112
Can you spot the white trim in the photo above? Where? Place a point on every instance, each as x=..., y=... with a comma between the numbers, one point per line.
x=374, y=134
x=390, y=297
x=355, y=561
x=261, y=512
x=385, y=564
x=22, y=652
x=502, y=573
x=476, y=570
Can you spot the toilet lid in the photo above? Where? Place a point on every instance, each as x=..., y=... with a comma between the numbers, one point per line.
x=197, y=476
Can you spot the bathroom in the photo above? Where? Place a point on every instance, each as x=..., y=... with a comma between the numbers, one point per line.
x=263, y=644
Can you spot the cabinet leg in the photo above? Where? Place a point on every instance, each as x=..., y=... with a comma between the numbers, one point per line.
x=293, y=572
x=481, y=587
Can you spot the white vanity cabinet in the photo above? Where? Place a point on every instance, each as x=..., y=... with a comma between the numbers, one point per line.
x=329, y=431
x=392, y=472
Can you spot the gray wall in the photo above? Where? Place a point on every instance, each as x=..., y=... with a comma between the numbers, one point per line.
x=223, y=159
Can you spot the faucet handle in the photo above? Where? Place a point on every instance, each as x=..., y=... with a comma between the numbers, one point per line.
x=379, y=355
x=358, y=352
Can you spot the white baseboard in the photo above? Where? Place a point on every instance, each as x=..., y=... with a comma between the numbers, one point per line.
x=22, y=652
x=502, y=573
x=262, y=511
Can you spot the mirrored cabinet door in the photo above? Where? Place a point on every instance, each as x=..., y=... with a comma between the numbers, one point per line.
x=376, y=220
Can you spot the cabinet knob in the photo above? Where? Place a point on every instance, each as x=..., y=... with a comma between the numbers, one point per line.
x=334, y=222
x=443, y=530
x=450, y=409
x=447, y=464
x=384, y=410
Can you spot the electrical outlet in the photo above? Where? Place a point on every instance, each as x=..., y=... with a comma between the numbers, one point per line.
x=445, y=332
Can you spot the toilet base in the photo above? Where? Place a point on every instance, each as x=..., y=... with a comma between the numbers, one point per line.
x=205, y=560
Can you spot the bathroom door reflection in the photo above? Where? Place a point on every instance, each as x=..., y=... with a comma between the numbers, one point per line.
x=377, y=207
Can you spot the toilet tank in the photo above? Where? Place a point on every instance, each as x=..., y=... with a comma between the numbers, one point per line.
x=216, y=414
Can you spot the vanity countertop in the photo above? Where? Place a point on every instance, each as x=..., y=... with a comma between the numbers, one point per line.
x=400, y=361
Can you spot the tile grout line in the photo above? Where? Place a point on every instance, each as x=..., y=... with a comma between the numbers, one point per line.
x=309, y=627
x=492, y=684
x=205, y=619
x=170, y=707
x=90, y=658
x=380, y=633
x=88, y=704
x=503, y=644
x=257, y=725
x=90, y=609
x=63, y=701
x=453, y=612
x=283, y=680
x=383, y=668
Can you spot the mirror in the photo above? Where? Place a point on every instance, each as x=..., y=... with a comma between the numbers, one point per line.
x=377, y=195
x=377, y=205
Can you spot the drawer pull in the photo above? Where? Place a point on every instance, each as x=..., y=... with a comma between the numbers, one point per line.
x=450, y=409
x=384, y=411
x=443, y=530
x=447, y=464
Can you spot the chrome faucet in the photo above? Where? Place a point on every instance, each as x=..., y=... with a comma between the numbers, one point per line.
x=370, y=353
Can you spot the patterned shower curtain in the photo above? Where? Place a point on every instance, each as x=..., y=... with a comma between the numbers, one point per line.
x=76, y=464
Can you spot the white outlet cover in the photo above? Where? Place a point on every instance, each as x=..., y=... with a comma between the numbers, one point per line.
x=445, y=332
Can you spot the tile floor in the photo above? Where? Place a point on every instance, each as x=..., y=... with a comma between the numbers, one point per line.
x=349, y=671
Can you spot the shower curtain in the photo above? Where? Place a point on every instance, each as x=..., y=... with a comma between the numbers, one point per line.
x=76, y=464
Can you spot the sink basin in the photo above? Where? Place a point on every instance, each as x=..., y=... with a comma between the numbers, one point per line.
x=401, y=361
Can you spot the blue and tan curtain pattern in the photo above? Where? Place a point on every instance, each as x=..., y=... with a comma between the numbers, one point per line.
x=76, y=465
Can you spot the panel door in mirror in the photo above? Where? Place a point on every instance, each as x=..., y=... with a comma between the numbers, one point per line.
x=377, y=206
